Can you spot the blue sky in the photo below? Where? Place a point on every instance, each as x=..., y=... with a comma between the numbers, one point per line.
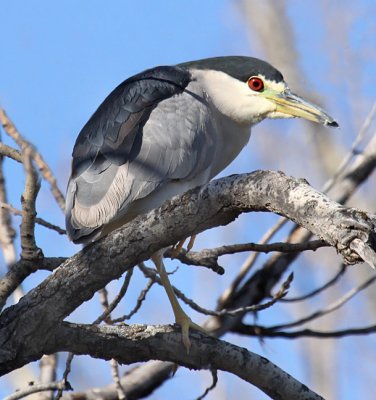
x=60, y=59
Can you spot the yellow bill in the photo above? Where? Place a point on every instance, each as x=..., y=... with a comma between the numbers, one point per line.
x=295, y=106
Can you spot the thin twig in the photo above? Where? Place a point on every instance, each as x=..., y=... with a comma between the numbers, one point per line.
x=39, y=221
x=45, y=170
x=110, y=307
x=30, y=251
x=150, y=273
x=212, y=386
x=249, y=263
x=138, y=305
x=353, y=151
x=47, y=365
x=68, y=366
x=189, y=258
x=251, y=330
x=140, y=300
x=334, y=306
x=103, y=299
x=281, y=247
x=318, y=290
x=116, y=378
x=10, y=152
x=60, y=385
x=209, y=257
x=7, y=232
x=106, y=317
x=259, y=307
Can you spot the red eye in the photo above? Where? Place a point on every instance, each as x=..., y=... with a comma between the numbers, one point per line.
x=256, y=84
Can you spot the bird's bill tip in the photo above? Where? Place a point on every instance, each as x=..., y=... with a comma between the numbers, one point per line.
x=295, y=106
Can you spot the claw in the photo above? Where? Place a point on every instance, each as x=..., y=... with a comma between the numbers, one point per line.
x=182, y=319
x=177, y=248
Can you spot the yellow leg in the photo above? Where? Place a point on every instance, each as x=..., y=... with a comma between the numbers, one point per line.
x=191, y=243
x=176, y=249
x=181, y=317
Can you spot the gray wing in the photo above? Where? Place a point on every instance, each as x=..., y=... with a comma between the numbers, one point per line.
x=129, y=148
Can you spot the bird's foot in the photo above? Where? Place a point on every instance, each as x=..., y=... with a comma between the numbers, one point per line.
x=186, y=324
x=177, y=248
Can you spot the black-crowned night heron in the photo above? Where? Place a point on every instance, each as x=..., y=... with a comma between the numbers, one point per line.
x=167, y=130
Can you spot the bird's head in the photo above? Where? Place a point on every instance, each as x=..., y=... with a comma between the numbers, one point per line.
x=249, y=90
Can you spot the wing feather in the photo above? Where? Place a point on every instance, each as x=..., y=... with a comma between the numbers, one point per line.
x=129, y=148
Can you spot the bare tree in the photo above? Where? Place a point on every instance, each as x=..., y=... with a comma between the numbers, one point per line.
x=319, y=235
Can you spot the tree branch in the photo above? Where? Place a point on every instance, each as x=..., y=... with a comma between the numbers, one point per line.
x=138, y=383
x=21, y=270
x=209, y=257
x=137, y=343
x=25, y=327
x=40, y=387
x=252, y=330
x=45, y=170
x=40, y=221
x=30, y=251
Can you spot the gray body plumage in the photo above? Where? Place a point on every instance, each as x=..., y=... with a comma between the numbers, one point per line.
x=156, y=135
x=167, y=130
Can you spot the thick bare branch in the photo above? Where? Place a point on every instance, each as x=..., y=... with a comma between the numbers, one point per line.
x=21, y=270
x=141, y=342
x=32, y=321
x=260, y=284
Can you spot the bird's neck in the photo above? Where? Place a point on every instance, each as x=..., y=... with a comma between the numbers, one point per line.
x=231, y=139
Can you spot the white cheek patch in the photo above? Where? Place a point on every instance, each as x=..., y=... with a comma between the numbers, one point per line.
x=236, y=100
x=232, y=97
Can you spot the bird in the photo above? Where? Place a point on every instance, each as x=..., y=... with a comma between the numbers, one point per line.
x=164, y=131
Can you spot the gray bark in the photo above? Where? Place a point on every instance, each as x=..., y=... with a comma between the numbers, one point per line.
x=31, y=328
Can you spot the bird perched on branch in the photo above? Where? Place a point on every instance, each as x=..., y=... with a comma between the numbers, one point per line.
x=164, y=131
